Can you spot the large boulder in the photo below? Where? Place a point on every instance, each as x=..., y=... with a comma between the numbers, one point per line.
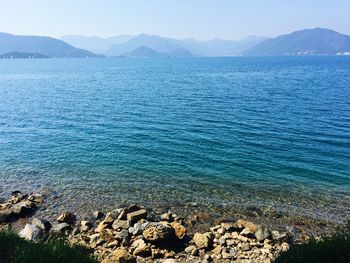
x=156, y=232
x=31, y=232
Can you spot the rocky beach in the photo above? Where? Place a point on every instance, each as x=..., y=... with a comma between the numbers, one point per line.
x=134, y=233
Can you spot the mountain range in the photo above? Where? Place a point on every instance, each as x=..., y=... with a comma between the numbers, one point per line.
x=45, y=46
x=124, y=44
x=316, y=41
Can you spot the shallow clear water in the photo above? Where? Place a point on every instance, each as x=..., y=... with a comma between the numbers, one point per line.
x=222, y=132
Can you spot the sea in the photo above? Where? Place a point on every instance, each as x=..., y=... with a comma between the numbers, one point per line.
x=217, y=134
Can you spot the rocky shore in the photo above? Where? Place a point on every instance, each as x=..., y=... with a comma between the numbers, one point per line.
x=135, y=234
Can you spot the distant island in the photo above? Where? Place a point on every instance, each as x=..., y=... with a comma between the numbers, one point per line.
x=316, y=41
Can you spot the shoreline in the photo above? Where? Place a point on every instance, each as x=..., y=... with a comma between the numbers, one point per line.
x=82, y=229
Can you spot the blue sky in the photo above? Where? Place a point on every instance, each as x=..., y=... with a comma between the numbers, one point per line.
x=200, y=19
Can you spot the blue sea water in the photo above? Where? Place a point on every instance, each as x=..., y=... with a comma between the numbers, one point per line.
x=219, y=132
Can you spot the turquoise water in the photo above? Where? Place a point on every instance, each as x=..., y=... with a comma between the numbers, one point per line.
x=220, y=132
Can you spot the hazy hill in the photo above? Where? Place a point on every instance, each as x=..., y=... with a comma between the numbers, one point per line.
x=95, y=44
x=47, y=46
x=146, y=52
x=156, y=43
x=119, y=45
x=316, y=41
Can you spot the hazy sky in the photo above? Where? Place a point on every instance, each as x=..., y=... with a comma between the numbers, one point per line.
x=201, y=19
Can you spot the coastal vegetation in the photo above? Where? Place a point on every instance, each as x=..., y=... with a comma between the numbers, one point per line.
x=328, y=249
x=14, y=249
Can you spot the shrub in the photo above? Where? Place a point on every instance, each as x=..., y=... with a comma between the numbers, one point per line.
x=331, y=249
x=13, y=249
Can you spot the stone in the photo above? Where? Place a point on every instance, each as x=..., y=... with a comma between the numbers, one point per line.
x=23, y=208
x=170, y=260
x=245, y=247
x=180, y=230
x=60, y=228
x=190, y=249
x=229, y=226
x=262, y=233
x=122, y=235
x=166, y=217
x=121, y=224
x=247, y=224
x=285, y=246
x=137, y=215
x=106, y=223
x=5, y=215
x=42, y=223
x=247, y=232
x=228, y=255
x=280, y=237
x=106, y=235
x=120, y=255
x=31, y=232
x=217, y=250
x=67, y=217
x=202, y=241
x=137, y=229
x=156, y=232
x=85, y=226
x=37, y=198
x=140, y=248
x=97, y=214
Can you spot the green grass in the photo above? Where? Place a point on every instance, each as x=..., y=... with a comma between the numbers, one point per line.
x=13, y=249
x=331, y=249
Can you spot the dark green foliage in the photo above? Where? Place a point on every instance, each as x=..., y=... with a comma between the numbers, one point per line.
x=13, y=249
x=332, y=249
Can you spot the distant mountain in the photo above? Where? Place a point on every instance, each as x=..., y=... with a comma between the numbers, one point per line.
x=220, y=47
x=95, y=44
x=120, y=45
x=47, y=46
x=143, y=52
x=146, y=52
x=156, y=43
x=316, y=41
x=22, y=55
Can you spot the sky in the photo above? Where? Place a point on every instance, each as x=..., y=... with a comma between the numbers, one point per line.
x=199, y=19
